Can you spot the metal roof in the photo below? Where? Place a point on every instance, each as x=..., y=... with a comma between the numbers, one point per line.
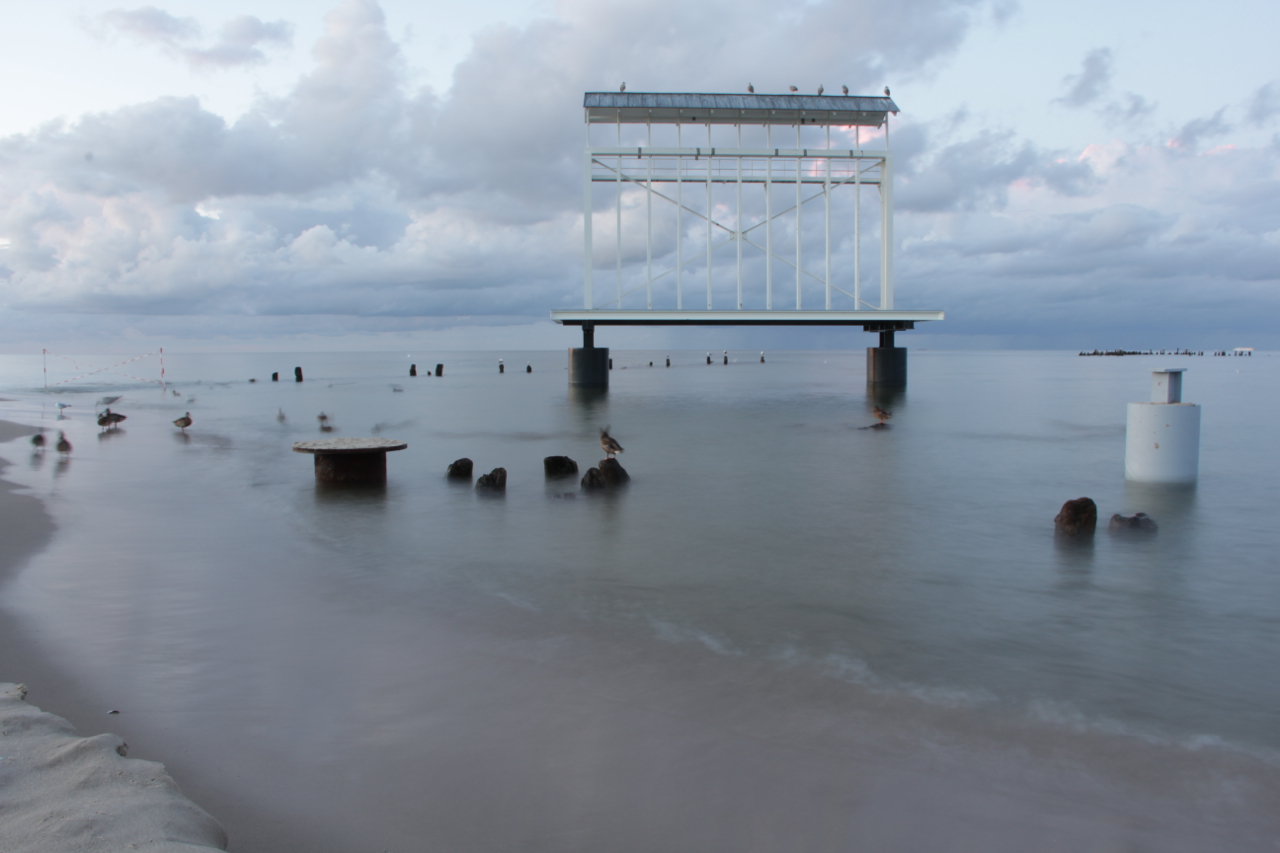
x=689, y=108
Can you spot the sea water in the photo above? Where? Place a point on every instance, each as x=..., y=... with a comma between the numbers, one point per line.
x=425, y=663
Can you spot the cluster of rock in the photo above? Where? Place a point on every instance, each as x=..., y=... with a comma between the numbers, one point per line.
x=608, y=474
x=1079, y=517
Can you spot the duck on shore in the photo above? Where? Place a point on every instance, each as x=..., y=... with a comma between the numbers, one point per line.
x=37, y=440
x=64, y=446
x=183, y=422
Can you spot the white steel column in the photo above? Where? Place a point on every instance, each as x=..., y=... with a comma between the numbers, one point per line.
x=680, y=220
x=586, y=230
x=857, y=222
x=826, y=201
x=648, y=240
x=768, y=220
x=886, y=231
x=799, y=210
x=618, y=182
x=740, y=235
x=708, y=220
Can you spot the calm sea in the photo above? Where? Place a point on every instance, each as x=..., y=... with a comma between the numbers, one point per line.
x=423, y=663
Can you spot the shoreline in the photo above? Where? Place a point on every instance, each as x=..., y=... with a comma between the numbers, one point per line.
x=50, y=774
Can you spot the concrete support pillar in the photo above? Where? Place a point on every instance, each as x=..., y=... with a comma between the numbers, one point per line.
x=589, y=367
x=887, y=366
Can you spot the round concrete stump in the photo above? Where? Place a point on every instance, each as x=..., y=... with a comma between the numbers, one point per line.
x=344, y=461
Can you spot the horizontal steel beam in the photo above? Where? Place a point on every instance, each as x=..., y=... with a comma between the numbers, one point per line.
x=792, y=153
x=653, y=317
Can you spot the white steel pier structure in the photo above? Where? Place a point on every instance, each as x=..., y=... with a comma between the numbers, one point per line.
x=741, y=232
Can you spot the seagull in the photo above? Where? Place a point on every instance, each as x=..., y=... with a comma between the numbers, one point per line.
x=175, y=393
x=64, y=405
x=820, y=89
x=608, y=444
x=323, y=419
x=844, y=89
x=881, y=414
x=183, y=422
x=886, y=91
x=64, y=446
x=751, y=89
x=107, y=401
x=280, y=416
x=622, y=88
x=37, y=441
x=793, y=88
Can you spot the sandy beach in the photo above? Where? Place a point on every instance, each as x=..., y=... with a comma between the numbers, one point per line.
x=61, y=790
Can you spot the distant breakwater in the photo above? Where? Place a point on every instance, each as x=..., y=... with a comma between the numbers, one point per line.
x=1165, y=352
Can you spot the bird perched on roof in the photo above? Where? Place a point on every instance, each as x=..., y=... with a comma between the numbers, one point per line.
x=183, y=422
x=793, y=88
x=64, y=446
x=609, y=444
x=881, y=414
x=820, y=90
x=622, y=88
x=886, y=91
x=37, y=440
x=844, y=89
x=751, y=89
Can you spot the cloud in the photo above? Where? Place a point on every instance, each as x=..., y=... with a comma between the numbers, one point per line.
x=1265, y=104
x=1094, y=78
x=237, y=42
x=1189, y=136
x=356, y=201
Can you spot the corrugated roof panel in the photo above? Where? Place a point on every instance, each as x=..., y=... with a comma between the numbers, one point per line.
x=699, y=108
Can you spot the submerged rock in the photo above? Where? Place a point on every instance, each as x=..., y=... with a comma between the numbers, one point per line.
x=495, y=479
x=593, y=479
x=1139, y=521
x=559, y=466
x=460, y=470
x=1077, y=518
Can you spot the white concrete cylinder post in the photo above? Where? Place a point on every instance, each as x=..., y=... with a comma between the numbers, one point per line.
x=1162, y=438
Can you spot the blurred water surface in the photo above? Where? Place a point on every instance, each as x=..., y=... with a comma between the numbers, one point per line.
x=206, y=572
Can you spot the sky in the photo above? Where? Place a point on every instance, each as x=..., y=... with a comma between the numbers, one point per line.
x=285, y=175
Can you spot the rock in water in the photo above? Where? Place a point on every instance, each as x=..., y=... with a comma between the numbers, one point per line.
x=495, y=479
x=614, y=474
x=461, y=469
x=559, y=466
x=1140, y=521
x=1077, y=518
x=593, y=479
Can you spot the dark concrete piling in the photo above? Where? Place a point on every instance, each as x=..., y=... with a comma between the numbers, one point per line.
x=501, y=367
x=413, y=370
x=668, y=361
x=708, y=358
x=528, y=368
x=439, y=370
x=726, y=356
x=297, y=374
x=275, y=377
x=762, y=358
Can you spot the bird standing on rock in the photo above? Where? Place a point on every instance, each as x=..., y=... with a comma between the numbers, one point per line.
x=608, y=444
x=881, y=414
x=183, y=422
x=64, y=446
